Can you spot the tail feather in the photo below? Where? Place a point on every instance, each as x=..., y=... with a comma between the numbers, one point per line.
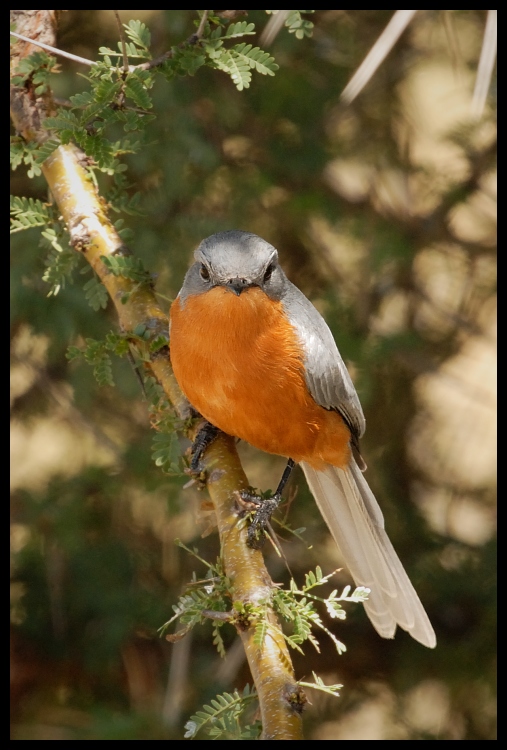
x=355, y=520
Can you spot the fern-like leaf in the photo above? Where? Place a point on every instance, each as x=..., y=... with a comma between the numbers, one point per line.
x=218, y=641
x=60, y=265
x=127, y=266
x=96, y=294
x=236, y=67
x=241, y=28
x=221, y=717
x=256, y=58
x=298, y=25
x=167, y=452
x=27, y=213
x=139, y=34
x=46, y=149
x=135, y=90
x=261, y=628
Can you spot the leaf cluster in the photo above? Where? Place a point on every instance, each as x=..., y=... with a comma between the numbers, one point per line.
x=139, y=45
x=296, y=24
x=298, y=607
x=98, y=355
x=166, y=452
x=222, y=719
x=238, y=61
x=27, y=213
x=212, y=50
x=201, y=598
x=32, y=154
x=35, y=69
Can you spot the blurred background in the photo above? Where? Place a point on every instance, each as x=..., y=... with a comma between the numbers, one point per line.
x=384, y=214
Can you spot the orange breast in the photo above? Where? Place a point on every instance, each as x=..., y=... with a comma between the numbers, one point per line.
x=240, y=364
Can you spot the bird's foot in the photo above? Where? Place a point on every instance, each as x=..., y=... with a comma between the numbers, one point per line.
x=203, y=439
x=264, y=508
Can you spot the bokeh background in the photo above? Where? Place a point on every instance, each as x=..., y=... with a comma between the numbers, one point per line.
x=383, y=213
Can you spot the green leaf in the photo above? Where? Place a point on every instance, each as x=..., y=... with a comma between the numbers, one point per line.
x=241, y=28
x=310, y=580
x=28, y=212
x=126, y=266
x=187, y=61
x=218, y=642
x=167, y=452
x=96, y=294
x=135, y=90
x=261, y=629
x=221, y=718
x=46, y=149
x=299, y=26
x=154, y=392
x=236, y=67
x=117, y=344
x=37, y=67
x=256, y=58
x=64, y=120
x=82, y=99
x=96, y=355
x=60, y=265
x=318, y=684
x=139, y=34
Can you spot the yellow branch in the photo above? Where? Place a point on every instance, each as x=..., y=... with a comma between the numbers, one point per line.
x=269, y=663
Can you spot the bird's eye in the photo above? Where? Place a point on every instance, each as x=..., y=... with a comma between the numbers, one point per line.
x=269, y=272
x=204, y=272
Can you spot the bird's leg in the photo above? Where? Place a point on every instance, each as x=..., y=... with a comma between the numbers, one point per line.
x=266, y=508
x=203, y=439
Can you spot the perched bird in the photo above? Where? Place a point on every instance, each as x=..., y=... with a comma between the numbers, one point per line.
x=256, y=359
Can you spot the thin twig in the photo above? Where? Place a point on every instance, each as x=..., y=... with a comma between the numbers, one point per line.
x=122, y=41
x=273, y=28
x=377, y=54
x=200, y=29
x=177, y=682
x=486, y=65
x=54, y=50
x=453, y=42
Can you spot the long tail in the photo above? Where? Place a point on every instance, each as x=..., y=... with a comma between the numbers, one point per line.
x=355, y=520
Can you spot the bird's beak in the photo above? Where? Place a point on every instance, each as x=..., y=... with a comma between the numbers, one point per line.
x=238, y=285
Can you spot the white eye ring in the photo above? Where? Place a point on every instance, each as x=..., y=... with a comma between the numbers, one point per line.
x=204, y=273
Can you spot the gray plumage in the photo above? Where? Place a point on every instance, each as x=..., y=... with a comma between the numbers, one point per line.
x=238, y=260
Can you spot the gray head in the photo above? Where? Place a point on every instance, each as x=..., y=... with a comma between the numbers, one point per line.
x=237, y=261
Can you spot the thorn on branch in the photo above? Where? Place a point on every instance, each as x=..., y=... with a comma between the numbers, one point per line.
x=54, y=50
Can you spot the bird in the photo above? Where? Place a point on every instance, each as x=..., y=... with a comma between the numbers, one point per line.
x=257, y=360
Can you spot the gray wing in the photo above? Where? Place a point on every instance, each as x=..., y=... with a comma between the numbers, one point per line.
x=327, y=377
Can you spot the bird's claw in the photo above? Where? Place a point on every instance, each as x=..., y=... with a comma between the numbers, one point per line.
x=264, y=509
